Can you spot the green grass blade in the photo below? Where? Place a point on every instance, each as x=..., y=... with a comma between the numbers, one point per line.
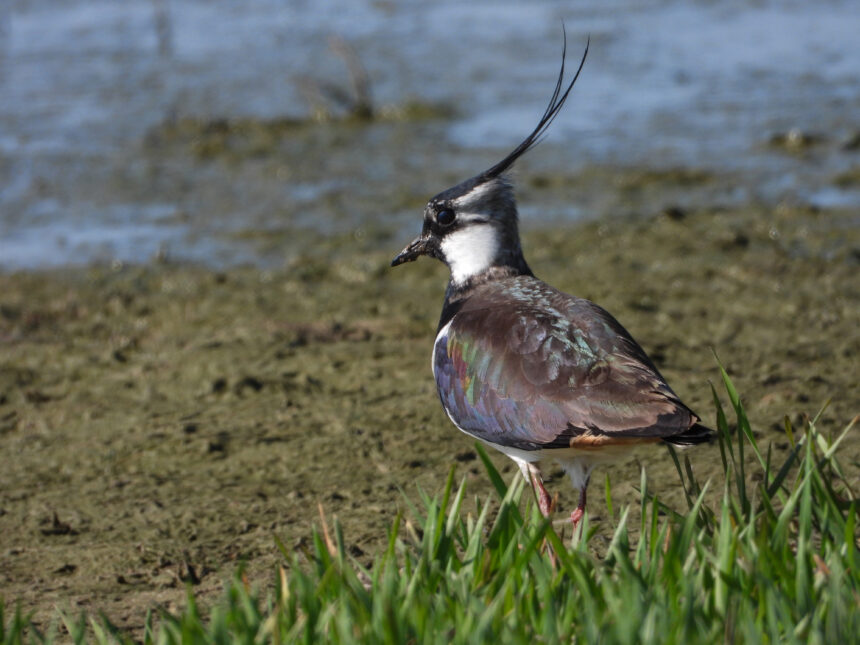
x=495, y=477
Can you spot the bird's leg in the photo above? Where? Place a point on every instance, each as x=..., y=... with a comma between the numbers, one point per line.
x=579, y=511
x=546, y=504
x=543, y=499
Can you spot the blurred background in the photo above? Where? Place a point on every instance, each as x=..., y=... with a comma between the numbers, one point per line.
x=227, y=132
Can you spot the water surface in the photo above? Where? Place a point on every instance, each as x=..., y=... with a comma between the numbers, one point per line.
x=86, y=89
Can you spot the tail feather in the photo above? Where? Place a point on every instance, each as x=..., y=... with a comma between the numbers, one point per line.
x=695, y=435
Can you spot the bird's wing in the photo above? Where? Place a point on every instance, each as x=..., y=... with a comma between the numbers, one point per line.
x=550, y=372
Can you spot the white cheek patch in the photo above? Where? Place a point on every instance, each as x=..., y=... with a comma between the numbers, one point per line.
x=470, y=251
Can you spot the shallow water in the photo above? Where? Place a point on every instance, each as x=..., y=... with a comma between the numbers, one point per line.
x=91, y=92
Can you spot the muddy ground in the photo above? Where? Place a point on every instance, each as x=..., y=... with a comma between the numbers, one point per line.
x=162, y=424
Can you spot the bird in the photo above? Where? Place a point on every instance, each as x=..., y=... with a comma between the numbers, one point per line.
x=536, y=373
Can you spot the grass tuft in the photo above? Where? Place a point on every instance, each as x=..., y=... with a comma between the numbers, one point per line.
x=774, y=560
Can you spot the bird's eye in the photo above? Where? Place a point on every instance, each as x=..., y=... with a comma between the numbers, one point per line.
x=445, y=217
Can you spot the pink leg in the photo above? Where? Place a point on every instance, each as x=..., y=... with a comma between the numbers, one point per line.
x=545, y=504
x=543, y=498
x=579, y=511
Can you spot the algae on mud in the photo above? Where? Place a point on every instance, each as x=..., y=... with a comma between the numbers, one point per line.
x=161, y=424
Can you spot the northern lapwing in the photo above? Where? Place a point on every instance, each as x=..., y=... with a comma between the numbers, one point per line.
x=534, y=372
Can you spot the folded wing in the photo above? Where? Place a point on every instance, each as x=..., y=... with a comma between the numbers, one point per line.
x=527, y=366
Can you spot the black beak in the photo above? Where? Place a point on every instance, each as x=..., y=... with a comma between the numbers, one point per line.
x=417, y=247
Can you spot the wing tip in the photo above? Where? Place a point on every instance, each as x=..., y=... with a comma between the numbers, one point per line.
x=695, y=435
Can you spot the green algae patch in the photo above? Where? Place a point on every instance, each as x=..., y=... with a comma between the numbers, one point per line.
x=162, y=424
x=849, y=178
x=242, y=138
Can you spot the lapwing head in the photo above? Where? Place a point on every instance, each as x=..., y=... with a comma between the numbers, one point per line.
x=472, y=226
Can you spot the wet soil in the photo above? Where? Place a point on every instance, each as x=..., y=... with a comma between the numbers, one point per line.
x=160, y=425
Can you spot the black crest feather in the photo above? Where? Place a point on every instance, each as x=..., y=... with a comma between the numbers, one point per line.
x=552, y=109
x=556, y=101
